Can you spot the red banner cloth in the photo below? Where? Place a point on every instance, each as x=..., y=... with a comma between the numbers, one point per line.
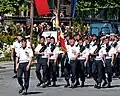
x=42, y=7
x=61, y=41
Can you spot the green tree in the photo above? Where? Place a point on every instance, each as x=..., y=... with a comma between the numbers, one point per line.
x=13, y=6
x=93, y=8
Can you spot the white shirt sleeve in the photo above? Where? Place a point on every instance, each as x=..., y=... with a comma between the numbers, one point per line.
x=48, y=50
x=77, y=50
x=56, y=51
x=113, y=51
x=92, y=49
x=87, y=52
x=67, y=47
x=13, y=46
x=18, y=53
x=37, y=49
x=104, y=51
x=30, y=53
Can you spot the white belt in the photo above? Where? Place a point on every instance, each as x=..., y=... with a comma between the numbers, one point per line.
x=98, y=58
x=81, y=58
x=108, y=57
x=23, y=61
x=52, y=58
x=71, y=58
x=44, y=57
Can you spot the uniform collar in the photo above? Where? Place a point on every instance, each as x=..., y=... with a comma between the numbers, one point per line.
x=18, y=41
x=24, y=48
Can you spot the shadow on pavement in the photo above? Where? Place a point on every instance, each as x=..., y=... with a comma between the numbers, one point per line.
x=85, y=86
x=30, y=93
x=58, y=85
x=88, y=85
x=113, y=86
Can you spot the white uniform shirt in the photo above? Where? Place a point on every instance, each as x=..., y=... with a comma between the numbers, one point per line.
x=110, y=42
x=76, y=43
x=84, y=54
x=84, y=43
x=72, y=51
x=92, y=49
x=110, y=53
x=66, y=42
x=28, y=43
x=91, y=44
x=37, y=49
x=54, y=53
x=101, y=54
x=16, y=45
x=118, y=42
x=24, y=54
x=118, y=48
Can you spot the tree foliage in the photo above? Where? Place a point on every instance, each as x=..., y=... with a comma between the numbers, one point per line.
x=13, y=6
x=89, y=4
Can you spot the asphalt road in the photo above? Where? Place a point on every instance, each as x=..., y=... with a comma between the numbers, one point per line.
x=10, y=87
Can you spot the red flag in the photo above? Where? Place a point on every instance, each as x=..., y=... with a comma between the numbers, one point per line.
x=61, y=40
x=42, y=7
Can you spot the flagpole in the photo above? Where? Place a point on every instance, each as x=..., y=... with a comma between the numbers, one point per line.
x=58, y=10
x=31, y=18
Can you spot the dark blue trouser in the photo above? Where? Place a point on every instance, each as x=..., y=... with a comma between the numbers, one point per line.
x=20, y=72
x=62, y=64
x=42, y=63
x=14, y=60
x=73, y=70
x=89, y=66
x=70, y=68
x=118, y=64
x=52, y=70
x=108, y=69
x=80, y=70
x=97, y=71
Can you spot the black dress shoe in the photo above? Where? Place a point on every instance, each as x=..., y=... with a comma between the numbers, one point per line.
x=15, y=76
x=67, y=85
x=99, y=86
x=82, y=84
x=25, y=93
x=48, y=83
x=109, y=85
x=21, y=90
x=54, y=84
x=104, y=84
x=44, y=85
x=115, y=76
x=96, y=85
x=72, y=85
x=38, y=85
x=77, y=83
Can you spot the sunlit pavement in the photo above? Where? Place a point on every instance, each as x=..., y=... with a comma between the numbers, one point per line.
x=10, y=87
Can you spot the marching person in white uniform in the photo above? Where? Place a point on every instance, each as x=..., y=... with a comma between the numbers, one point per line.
x=23, y=62
x=53, y=52
x=72, y=52
x=16, y=45
x=81, y=63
